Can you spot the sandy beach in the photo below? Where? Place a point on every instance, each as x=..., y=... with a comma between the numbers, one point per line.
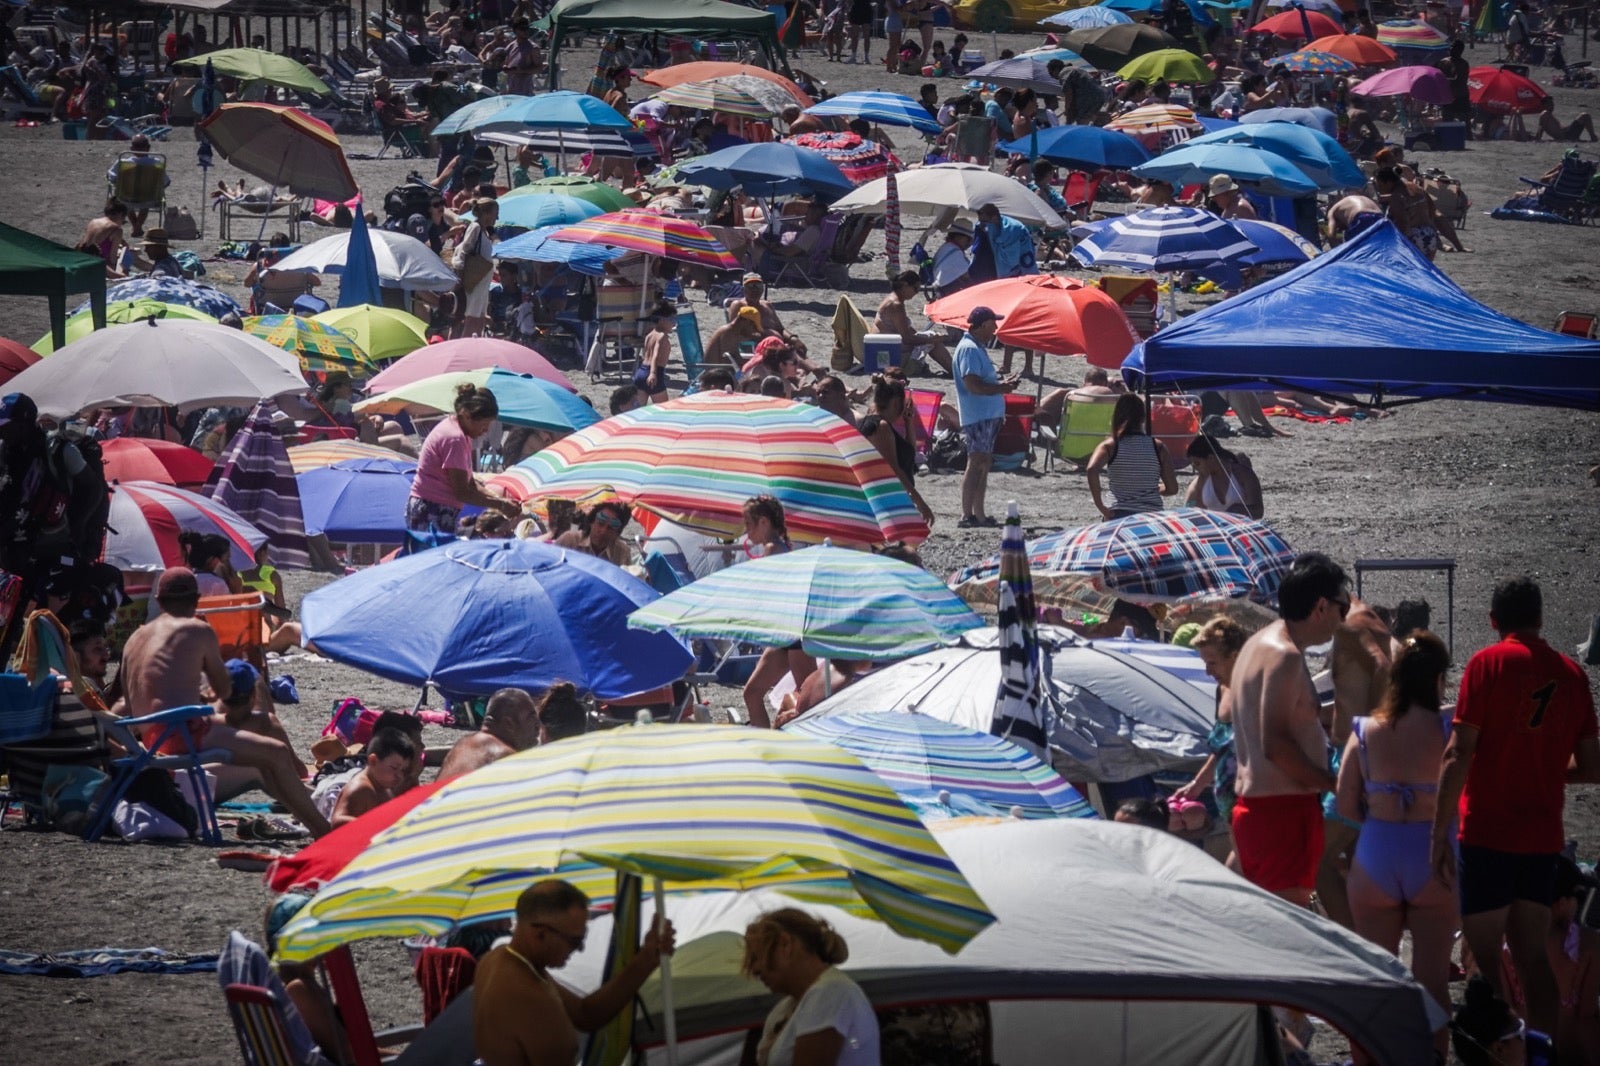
x=1501, y=489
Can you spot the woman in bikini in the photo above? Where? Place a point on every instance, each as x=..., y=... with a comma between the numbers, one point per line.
x=1388, y=781
x=1226, y=480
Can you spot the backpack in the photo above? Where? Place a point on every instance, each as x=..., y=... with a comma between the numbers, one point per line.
x=947, y=453
x=74, y=500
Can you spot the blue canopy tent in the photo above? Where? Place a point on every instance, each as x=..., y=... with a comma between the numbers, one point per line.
x=1371, y=317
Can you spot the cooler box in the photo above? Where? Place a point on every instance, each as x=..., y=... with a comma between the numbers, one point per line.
x=879, y=350
x=1450, y=137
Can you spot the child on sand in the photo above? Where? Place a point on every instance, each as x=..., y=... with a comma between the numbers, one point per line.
x=651, y=376
x=389, y=760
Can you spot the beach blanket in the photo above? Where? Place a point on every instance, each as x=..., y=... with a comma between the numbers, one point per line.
x=98, y=962
x=849, y=335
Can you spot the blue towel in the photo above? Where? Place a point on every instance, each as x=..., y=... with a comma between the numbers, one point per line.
x=98, y=962
x=283, y=690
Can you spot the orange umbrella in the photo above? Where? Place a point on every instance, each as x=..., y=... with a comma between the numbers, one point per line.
x=14, y=359
x=705, y=70
x=1292, y=25
x=1047, y=313
x=285, y=146
x=1362, y=51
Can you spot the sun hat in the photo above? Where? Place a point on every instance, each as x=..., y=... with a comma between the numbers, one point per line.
x=244, y=677
x=177, y=583
x=768, y=345
x=979, y=315
x=753, y=278
x=1221, y=183
x=961, y=226
x=155, y=237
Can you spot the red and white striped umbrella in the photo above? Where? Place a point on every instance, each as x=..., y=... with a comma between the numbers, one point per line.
x=146, y=518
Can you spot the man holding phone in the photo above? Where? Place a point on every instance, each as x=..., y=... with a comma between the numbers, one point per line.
x=981, y=399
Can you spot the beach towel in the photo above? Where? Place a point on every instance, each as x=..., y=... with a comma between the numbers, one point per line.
x=256, y=480
x=849, y=335
x=98, y=962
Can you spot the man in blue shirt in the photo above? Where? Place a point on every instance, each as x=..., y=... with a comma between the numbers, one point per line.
x=981, y=399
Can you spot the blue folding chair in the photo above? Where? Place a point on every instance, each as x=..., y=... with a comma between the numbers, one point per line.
x=694, y=352
x=174, y=724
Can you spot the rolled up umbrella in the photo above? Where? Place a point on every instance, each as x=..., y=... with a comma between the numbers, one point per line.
x=283, y=146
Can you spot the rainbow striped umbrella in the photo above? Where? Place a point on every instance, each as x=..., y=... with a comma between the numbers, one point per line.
x=859, y=160
x=706, y=807
x=323, y=453
x=319, y=347
x=1411, y=33
x=715, y=96
x=831, y=601
x=658, y=236
x=1307, y=61
x=697, y=459
x=942, y=769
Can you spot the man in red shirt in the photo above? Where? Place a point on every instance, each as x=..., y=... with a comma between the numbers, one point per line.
x=1524, y=728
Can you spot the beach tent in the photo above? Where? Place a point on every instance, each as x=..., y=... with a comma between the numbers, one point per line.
x=1123, y=943
x=1373, y=316
x=33, y=266
x=706, y=20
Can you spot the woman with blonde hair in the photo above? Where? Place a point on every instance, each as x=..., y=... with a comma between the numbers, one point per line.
x=1219, y=642
x=823, y=1019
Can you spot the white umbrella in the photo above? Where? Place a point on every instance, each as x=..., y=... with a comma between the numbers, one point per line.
x=952, y=186
x=403, y=261
x=164, y=362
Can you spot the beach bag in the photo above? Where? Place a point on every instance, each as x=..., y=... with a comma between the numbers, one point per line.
x=472, y=268
x=68, y=795
x=351, y=721
x=948, y=453
x=180, y=224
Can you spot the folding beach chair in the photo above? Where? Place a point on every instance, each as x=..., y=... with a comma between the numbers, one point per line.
x=814, y=269
x=1577, y=324
x=258, y=1023
x=169, y=729
x=692, y=348
x=140, y=181
x=1084, y=424
x=1570, y=194
x=925, y=403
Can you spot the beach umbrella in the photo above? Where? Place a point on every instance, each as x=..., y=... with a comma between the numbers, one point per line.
x=697, y=459
x=1081, y=147
x=524, y=400
x=320, y=861
x=1020, y=706
x=475, y=616
x=1045, y=53
x=561, y=109
x=941, y=769
x=833, y=602
x=1168, y=64
x=14, y=358
x=1360, y=50
x=1074, y=596
x=467, y=353
x=255, y=65
x=359, y=282
x=166, y=463
x=303, y=457
x=1504, y=92
x=1319, y=156
x=1156, y=120
x=551, y=209
x=1298, y=26
x=1133, y=7
x=403, y=261
x=381, y=332
x=857, y=158
x=160, y=363
x=1412, y=33
x=607, y=197
x=654, y=235
x=119, y=313
x=880, y=108
x=282, y=146
x=767, y=171
x=953, y=187
x=678, y=73
x=1018, y=72
x=319, y=347
x=146, y=517
x=618, y=143
x=255, y=479
x=1110, y=47
x=1274, y=243
x=772, y=95
x=1314, y=118
x=717, y=96
x=165, y=289
x=1086, y=18
x=893, y=225
x=357, y=501
x=1330, y=8
x=1307, y=61
x=474, y=115
x=1193, y=164
x=1160, y=239
x=535, y=246
x=1046, y=313
x=1425, y=84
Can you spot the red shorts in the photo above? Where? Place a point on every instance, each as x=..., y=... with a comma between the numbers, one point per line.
x=1278, y=840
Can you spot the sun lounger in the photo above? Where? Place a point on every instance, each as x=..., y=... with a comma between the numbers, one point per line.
x=258, y=213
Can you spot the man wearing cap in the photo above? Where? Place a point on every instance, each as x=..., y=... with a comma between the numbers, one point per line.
x=1227, y=201
x=161, y=669
x=981, y=399
x=951, y=262
x=723, y=345
x=755, y=289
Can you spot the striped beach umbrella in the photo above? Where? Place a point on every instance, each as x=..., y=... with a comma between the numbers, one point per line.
x=942, y=769
x=1411, y=33
x=255, y=480
x=284, y=147
x=383, y=333
x=1362, y=51
x=146, y=518
x=1160, y=239
x=1154, y=124
x=833, y=602
x=322, y=453
x=1021, y=709
x=320, y=347
x=703, y=807
x=715, y=96
x=622, y=143
x=654, y=235
x=879, y=108
x=1307, y=61
x=697, y=459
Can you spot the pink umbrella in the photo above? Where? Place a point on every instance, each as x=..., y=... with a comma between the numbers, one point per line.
x=1426, y=84
x=468, y=353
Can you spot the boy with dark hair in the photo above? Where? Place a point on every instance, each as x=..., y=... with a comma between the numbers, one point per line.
x=390, y=756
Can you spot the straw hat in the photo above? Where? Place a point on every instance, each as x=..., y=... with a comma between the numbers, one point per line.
x=1221, y=183
x=155, y=237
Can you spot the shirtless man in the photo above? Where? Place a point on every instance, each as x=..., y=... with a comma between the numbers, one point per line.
x=771, y=325
x=892, y=317
x=1278, y=737
x=510, y=725
x=1553, y=127
x=387, y=773
x=161, y=669
x=722, y=347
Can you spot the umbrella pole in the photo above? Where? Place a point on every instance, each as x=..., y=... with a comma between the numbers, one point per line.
x=668, y=1016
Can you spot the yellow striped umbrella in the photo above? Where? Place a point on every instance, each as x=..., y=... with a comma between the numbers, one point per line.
x=327, y=452
x=319, y=347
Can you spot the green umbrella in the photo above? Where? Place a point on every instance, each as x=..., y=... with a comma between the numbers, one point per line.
x=119, y=313
x=252, y=64
x=1168, y=64
x=596, y=192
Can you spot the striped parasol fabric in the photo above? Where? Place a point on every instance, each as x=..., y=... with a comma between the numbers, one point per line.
x=600, y=142
x=1411, y=33
x=1172, y=556
x=1020, y=706
x=859, y=160
x=322, y=453
x=255, y=479
x=891, y=224
x=1157, y=118
x=697, y=459
x=944, y=770
x=284, y=147
x=659, y=236
x=146, y=518
x=878, y=107
x=833, y=602
x=1307, y=61
x=1160, y=239
x=704, y=807
x=170, y=290
x=320, y=347
x=715, y=96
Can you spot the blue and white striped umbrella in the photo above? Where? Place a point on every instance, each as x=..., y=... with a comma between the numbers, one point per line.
x=559, y=110
x=1183, y=663
x=1086, y=18
x=618, y=143
x=881, y=108
x=941, y=769
x=1192, y=164
x=170, y=290
x=1160, y=239
x=535, y=246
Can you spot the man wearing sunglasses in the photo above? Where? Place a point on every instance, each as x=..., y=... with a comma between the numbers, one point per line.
x=520, y=1015
x=1278, y=735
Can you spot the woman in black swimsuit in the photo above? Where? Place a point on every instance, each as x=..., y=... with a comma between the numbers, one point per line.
x=884, y=426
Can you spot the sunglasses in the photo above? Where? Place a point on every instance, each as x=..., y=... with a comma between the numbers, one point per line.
x=574, y=942
x=616, y=523
x=1344, y=607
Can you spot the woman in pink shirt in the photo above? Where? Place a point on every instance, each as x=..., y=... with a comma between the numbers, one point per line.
x=444, y=483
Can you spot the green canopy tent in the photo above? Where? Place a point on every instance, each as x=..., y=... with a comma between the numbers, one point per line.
x=33, y=266
x=700, y=19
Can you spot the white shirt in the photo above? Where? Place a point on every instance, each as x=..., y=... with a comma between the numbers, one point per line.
x=832, y=1002
x=950, y=265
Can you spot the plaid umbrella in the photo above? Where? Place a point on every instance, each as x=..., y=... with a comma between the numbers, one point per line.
x=256, y=480
x=170, y=290
x=860, y=160
x=1307, y=61
x=654, y=235
x=319, y=347
x=1020, y=707
x=891, y=224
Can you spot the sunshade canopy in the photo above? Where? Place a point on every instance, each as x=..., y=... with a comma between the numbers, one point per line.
x=697, y=19
x=284, y=146
x=33, y=266
x=1372, y=316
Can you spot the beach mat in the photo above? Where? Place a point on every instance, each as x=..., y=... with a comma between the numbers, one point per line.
x=98, y=962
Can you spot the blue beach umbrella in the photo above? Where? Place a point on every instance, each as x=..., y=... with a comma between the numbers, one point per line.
x=559, y=110
x=1160, y=239
x=475, y=616
x=553, y=209
x=1086, y=18
x=1274, y=243
x=359, y=283
x=768, y=170
x=476, y=114
x=169, y=290
x=1320, y=157
x=881, y=108
x=525, y=400
x=358, y=501
x=1192, y=164
x=1135, y=7
x=1083, y=147
x=1316, y=118
x=535, y=246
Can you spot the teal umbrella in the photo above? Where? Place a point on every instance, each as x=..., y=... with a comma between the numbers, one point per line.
x=554, y=209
